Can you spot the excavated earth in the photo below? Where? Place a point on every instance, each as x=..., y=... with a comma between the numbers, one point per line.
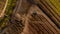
x=31, y=17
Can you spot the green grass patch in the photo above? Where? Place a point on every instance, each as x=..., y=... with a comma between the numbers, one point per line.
x=8, y=11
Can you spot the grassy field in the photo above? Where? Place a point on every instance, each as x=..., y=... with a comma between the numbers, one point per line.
x=8, y=11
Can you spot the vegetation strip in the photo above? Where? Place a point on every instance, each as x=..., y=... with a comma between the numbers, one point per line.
x=8, y=11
